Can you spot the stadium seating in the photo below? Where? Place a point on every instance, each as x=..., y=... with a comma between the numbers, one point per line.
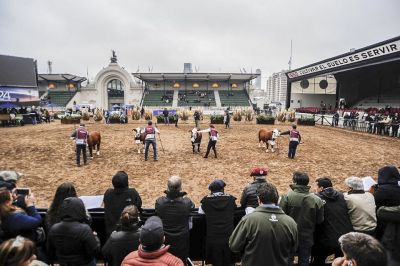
x=155, y=98
x=60, y=98
x=196, y=98
x=234, y=98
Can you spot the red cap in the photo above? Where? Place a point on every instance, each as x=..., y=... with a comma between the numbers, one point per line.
x=258, y=171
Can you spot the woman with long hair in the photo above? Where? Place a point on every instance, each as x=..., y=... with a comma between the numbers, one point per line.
x=126, y=237
x=65, y=190
x=15, y=221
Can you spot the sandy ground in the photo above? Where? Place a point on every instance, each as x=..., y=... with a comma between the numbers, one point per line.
x=45, y=154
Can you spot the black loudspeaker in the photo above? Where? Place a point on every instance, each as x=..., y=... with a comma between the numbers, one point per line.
x=304, y=83
x=323, y=84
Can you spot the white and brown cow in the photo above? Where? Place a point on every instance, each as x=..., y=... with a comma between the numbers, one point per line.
x=268, y=138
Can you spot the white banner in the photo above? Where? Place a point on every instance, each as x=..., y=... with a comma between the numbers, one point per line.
x=375, y=52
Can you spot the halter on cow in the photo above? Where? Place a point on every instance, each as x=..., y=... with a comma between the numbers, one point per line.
x=140, y=136
x=268, y=138
x=94, y=141
x=196, y=139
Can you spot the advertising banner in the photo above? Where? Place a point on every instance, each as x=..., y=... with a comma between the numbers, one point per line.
x=16, y=94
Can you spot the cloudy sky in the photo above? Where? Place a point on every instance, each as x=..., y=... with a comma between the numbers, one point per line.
x=214, y=35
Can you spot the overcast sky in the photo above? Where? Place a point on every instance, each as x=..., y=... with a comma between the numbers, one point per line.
x=215, y=36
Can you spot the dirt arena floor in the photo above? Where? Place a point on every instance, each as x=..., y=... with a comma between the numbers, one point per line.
x=45, y=155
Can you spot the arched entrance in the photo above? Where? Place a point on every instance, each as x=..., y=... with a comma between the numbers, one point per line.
x=115, y=93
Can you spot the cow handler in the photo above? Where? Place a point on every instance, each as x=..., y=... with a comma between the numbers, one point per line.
x=294, y=140
x=150, y=132
x=80, y=135
x=213, y=133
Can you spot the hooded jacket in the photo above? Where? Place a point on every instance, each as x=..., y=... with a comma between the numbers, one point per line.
x=219, y=209
x=336, y=218
x=388, y=192
x=306, y=209
x=117, y=198
x=72, y=241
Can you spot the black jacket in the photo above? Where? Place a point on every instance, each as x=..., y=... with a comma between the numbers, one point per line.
x=174, y=210
x=71, y=241
x=120, y=244
x=336, y=219
x=249, y=197
x=219, y=209
x=391, y=237
x=388, y=190
x=116, y=199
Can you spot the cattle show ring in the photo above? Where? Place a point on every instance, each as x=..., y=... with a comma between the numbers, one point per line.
x=45, y=155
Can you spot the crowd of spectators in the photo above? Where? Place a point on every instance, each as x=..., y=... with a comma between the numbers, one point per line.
x=360, y=226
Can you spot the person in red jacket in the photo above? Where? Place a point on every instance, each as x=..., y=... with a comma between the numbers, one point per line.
x=152, y=250
x=294, y=140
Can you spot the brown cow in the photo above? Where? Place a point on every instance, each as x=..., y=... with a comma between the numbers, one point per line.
x=268, y=137
x=94, y=141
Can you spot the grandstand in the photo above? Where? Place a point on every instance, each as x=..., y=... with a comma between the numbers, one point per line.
x=60, y=98
x=196, y=89
x=366, y=77
x=196, y=98
x=234, y=98
x=157, y=98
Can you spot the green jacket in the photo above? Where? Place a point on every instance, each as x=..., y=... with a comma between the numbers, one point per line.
x=306, y=209
x=265, y=237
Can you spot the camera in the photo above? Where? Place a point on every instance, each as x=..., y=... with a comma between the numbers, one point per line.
x=22, y=191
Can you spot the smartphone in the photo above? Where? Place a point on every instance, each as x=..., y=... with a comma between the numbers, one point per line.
x=22, y=191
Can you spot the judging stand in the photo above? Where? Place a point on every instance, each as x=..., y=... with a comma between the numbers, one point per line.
x=197, y=233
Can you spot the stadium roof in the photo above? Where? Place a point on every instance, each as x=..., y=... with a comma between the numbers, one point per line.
x=378, y=53
x=60, y=77
x=17, y=71
x=149, y=77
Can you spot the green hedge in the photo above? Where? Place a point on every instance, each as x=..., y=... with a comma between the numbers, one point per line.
x=217, y=119
x=306, y=121
x=160, y=119
x=266, y=120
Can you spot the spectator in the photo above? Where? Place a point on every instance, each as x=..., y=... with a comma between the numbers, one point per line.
x=391, y=236
x=18, y=251
x=142, y=112
x=72, y=241
x=117, y=198
x=166, y=118
x=249, y=199
x=16, y=221
x=307, y=210
x=336, y=222
x=152, y=250
x=361, y=206
x=227, y=119
x=63, y=191
x=174, y=210
x=266, y=236
x=125, y=239
x=219, y=209
x=360, y=250
x=388, y=191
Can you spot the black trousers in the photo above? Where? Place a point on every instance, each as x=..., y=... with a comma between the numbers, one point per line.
x=211, y=145
x=292, y=149
x=79, y=148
